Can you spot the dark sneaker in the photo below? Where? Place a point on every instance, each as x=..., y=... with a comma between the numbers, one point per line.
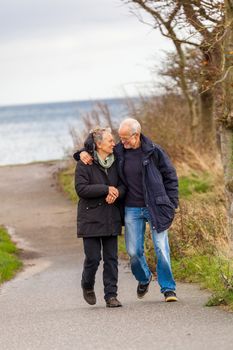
x=113, y=302
x=89, y=296
x=170, y=296
x=142, y=289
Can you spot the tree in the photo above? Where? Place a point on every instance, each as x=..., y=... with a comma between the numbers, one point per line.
x=210, y=27
x=172, y=73
x=197, y=24
x=226, y=121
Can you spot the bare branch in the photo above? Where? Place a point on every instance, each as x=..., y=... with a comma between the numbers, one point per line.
x=218, y=81
x=192, y=18
x=174, y=13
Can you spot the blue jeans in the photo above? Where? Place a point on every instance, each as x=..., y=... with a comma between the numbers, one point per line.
x=135, y=225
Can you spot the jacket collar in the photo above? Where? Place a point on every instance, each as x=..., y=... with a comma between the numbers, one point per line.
x=147, y=145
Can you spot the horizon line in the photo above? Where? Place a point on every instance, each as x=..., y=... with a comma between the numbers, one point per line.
x=16, y=104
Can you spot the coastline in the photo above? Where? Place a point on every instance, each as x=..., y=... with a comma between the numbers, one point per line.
x=50, y=161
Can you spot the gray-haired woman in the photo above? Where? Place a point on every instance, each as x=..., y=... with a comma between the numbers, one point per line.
x=99, y=220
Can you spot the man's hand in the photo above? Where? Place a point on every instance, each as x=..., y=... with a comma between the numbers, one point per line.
x=113, y=193
x=86, y=158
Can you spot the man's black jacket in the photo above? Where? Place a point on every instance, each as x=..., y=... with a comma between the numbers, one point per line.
x=160, y=182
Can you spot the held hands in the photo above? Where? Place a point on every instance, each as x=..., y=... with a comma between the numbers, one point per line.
x=113, y=193
x=86, y=158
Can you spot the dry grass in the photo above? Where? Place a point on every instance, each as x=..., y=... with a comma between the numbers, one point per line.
x=165, y=119
x=199, y=228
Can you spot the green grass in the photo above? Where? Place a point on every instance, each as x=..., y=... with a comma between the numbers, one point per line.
x=211, y=272
x=9, y=262
x=121, y=246
x=189, y=185
x=66, y=180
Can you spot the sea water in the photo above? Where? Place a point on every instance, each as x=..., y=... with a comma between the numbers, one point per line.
x=41, y=132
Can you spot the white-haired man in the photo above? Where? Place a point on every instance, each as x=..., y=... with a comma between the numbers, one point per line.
x=152, y=196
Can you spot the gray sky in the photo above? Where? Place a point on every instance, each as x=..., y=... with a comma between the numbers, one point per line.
x=58, y=50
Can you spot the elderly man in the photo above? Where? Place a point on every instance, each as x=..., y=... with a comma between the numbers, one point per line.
x=152, y=197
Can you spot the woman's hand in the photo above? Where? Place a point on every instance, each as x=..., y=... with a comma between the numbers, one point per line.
x=113, y=194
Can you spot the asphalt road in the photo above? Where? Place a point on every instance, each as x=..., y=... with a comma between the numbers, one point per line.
x=43, y=308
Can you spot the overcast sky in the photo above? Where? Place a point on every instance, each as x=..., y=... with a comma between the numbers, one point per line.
x=62, y=50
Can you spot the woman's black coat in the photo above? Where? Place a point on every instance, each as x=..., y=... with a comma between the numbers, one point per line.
x=95, y=216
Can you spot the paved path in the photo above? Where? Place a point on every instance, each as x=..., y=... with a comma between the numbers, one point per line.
x=42, y=308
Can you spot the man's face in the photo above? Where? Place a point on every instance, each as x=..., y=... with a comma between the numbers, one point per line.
x=128, y=139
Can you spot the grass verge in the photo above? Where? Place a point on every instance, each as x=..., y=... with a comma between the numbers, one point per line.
x=9, y=261
x=66, y=181
x=211, y=272
x=194, y=183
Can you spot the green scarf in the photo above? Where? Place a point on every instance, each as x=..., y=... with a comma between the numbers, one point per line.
x=107, y=163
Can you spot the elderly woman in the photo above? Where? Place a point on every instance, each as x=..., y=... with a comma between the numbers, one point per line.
x=99, y=220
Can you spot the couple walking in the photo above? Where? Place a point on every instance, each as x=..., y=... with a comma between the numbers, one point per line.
x=133, y=181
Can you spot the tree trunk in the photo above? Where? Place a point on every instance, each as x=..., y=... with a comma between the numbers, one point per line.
x=227, y=118
x=226, y=139
x=207, y=119
x=211, y=72
x=191, y=101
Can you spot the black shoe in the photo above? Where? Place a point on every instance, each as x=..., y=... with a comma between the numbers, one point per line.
x=170, y=296
x=113, y=302
x=89, y=296
x=142, y=289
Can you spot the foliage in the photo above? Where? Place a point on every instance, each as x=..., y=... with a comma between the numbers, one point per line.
x=197, y=29
x=121, y=246
x=188, y=185
x=66, y=180
x=192, y=26
x=199, y=228
x=9, y=262
x=211, y=272
x=165, y=120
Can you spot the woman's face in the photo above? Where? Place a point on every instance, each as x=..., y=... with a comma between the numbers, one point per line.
x=107, y=143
